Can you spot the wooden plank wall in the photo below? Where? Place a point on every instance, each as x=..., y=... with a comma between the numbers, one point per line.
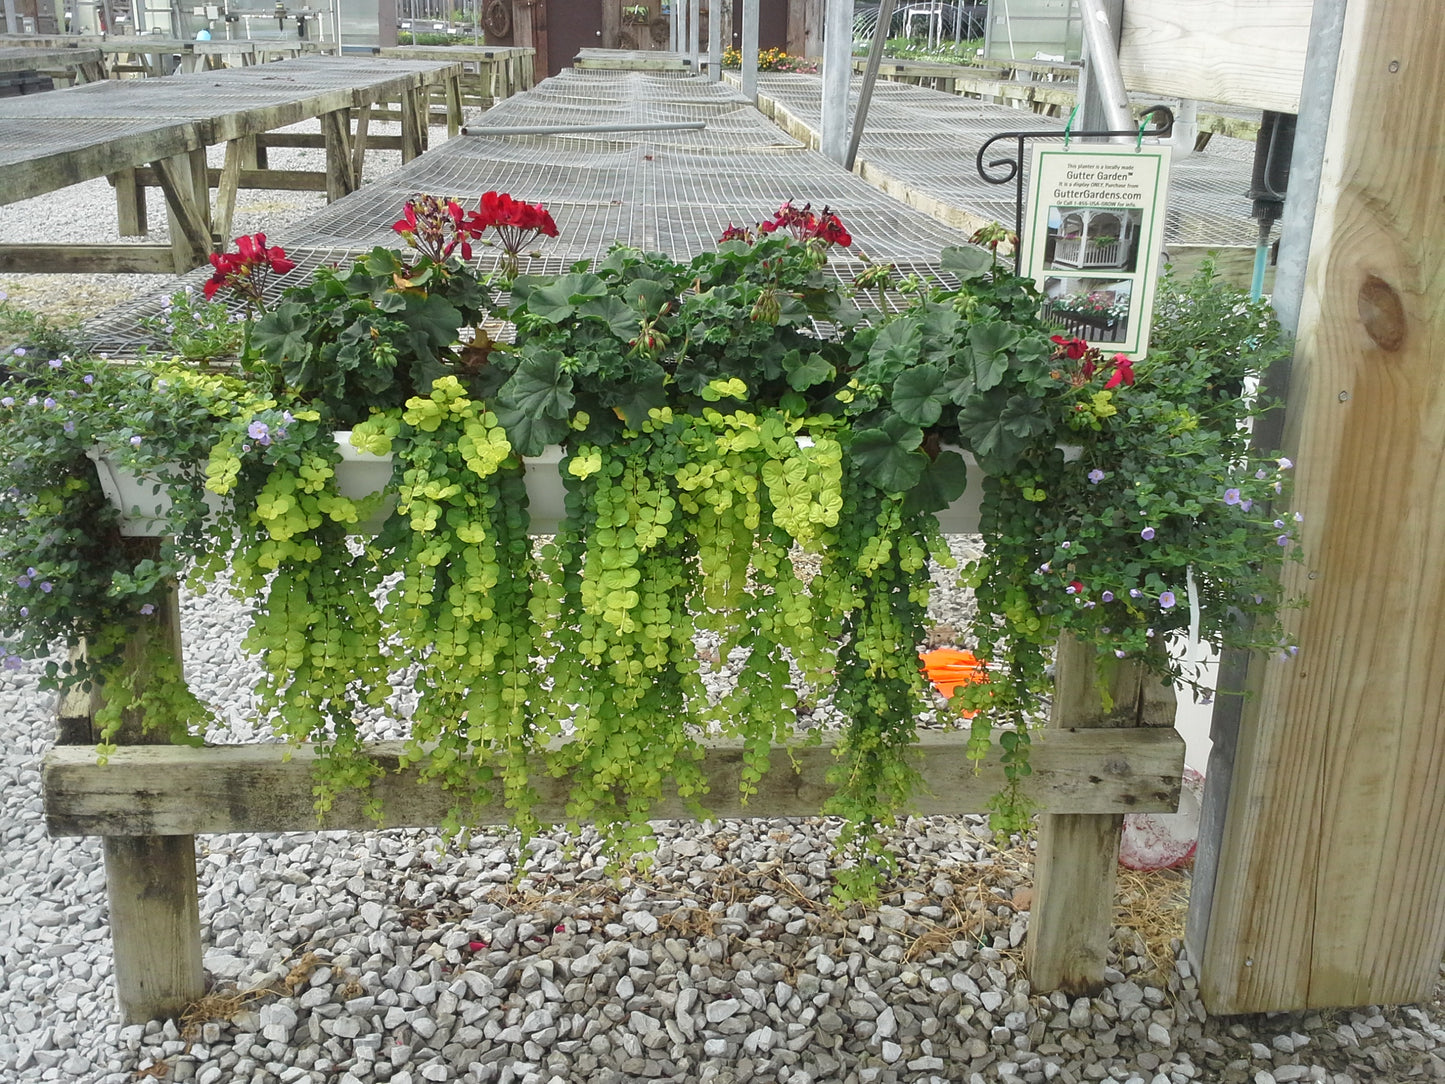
x=1236, y=52
x=1330, y=888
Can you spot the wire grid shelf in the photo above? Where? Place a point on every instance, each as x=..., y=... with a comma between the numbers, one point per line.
x=929, y=140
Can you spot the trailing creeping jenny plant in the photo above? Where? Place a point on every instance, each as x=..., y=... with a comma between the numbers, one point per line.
x=718, y=419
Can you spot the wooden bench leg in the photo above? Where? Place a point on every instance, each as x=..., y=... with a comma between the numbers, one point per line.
x=188, y=203
x=130, y=204
x=155, y=924
x=336, y=131
x=1076, y=865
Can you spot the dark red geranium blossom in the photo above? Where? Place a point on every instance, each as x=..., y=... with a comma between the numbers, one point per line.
x=514, y=222
x=247, y=270
x=436, y=227
x=1123, y=372
x=808, y=225
x=1073, y=349
x=736, y=233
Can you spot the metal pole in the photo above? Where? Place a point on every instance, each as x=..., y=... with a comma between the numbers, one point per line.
x=750, y=50
x=837, y=73
x=1103, y=51
x=714, y=41
x=694, y=28
x=870, y=76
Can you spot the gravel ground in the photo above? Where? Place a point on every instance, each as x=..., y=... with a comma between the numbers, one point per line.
x=386, y=956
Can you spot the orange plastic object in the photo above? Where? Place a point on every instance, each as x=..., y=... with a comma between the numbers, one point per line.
x=948, y=668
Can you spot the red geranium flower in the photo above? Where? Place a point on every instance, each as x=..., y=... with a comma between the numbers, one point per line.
x=1123, y=372
x=247, y=270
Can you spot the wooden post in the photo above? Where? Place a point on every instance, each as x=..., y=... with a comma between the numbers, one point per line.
x=336, y=132
x=155, y=918
x=226, y=193
x=750, y=50
x=188, y=206
x=454, y=106
x=1329, y=887
x=130, y=204
x=1076, y=865
x=413, y=127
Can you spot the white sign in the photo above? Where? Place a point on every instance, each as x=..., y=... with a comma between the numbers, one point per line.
x=1093, y=238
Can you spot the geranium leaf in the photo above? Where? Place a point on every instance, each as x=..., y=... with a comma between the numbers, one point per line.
x=805, y=370
x=622, y=320
x=958, y=383
x=528, y=434
x=894, y=349
x=636, y=399
x=918, y=395
x=540, y=388
x=559, y=300
x=965, y=261
x=889, y=455
x=989, y=343
x=944, y=481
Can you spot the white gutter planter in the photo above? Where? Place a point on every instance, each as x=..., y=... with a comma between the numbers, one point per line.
x=144, y=504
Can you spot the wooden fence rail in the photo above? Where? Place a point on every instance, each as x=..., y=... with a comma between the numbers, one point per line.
x=151, y=800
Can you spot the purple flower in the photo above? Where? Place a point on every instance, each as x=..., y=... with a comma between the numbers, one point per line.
x=47, y=586
x=88, y=378
x=23, y=580
x=135, y=442
x=1107, y=596
x=8, y=401
x=1119, y=652
x=56, y=363
x=20, y=351
x=1286, y=464
x=69, y=427
x=1147, y=534
x=1166, y=600
x=260, y=432
x=1063, y=545
x=1044, y=567
x=1283, y=540
x=1245, y=505
x=1279, y=523
x=1134, y=592
x=1149, y=633
x=12, y=662
x=1299, y=517
x=1231, y=496
x=25, y=611
x=1096, y=476
x=49, y=403
x=1260, y=473
x=148, y=609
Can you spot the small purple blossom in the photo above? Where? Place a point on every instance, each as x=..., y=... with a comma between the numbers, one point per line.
x=1134, y=592
x=1286, y=464
x=1063, y=545
x=1299, y=517
x=135, y=442
x=69, y=427
x=148, y=609
x=260, y=432
x=49, y=403
x=1118, y=652
x=1107, y=596
x=88, y=378
x=1166, y=600
x=1096, y=476
x=47, y=586
x=1261, y=473
x=1149, y=633
x=1246, y=504
x=1283, y=540
x=8, y=401
x=25, y=611
x=1147, y=534
x=1231, y=496
x=1045, y=567
x=12, y=662
x=20, y=351
x=23, y=580
x=1279, y=523
x=55, y=363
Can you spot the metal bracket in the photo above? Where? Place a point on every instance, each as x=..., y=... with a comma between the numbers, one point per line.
x=1012, y=169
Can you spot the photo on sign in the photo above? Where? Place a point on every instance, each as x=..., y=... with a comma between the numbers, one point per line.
x=1092, y=239
x=1094, y=309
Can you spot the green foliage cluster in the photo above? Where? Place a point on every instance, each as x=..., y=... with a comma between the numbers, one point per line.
x=717, y=418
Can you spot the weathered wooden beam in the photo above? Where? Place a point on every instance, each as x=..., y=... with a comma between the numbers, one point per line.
x=188, y=204
x=163, y=790
x=278, y=180
x=1077, y=859
x=40, y=259
x=315, y=141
